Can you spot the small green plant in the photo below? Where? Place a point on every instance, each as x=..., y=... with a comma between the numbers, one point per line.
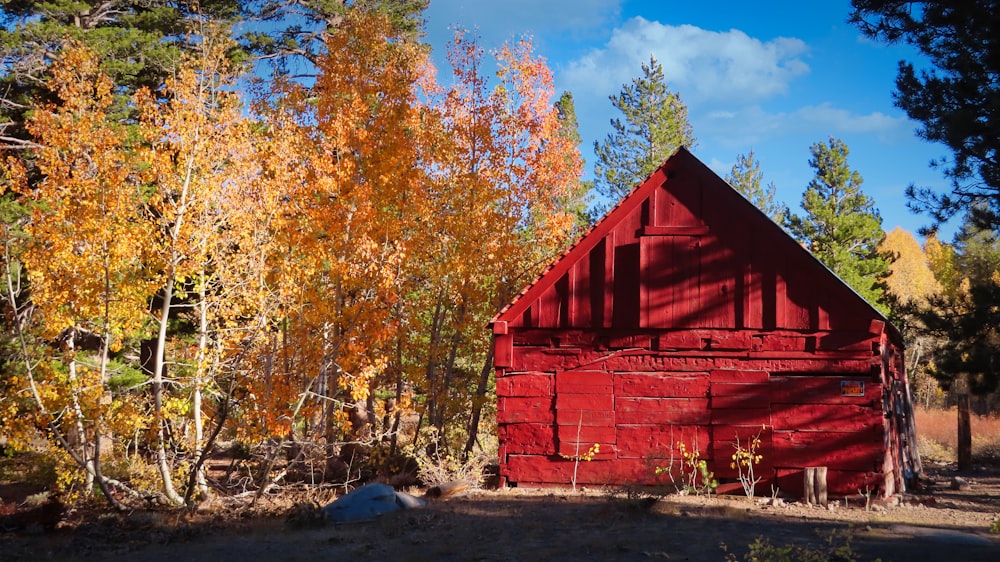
x=744, y=460
x=577, y=457
x=700, y=480
x=586, y=457
x=837, y=546
x=995, y=527
x=696, y=478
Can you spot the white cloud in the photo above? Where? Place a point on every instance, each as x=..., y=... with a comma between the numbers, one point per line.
x=702, y=66
x=842, y=120
x=752, y=124
x=742, y=92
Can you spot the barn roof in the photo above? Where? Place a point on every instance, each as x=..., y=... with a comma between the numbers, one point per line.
x=683, y=197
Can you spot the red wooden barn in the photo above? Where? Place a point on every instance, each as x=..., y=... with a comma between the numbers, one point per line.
x=686, y=315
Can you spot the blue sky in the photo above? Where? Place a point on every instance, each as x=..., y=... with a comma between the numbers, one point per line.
x=774, y=77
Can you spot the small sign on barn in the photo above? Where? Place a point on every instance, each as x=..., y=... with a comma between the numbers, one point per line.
x=687, y=317
x=852, y=388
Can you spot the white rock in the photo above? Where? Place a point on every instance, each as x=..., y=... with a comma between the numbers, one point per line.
x=369, y=502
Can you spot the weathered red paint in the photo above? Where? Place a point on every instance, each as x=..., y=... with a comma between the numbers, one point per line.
x=526, y=410
x=686, y=316
x=661, y=385
x=662, y=411
x=857, y=450
x=659, y=441
x=525, y=384
x=532, y=438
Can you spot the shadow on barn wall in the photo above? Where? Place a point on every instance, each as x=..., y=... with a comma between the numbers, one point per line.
x=686, y=315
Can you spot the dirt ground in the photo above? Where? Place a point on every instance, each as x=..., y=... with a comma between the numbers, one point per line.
x=939, y=524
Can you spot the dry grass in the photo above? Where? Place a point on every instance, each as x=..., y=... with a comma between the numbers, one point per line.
x=938, y=436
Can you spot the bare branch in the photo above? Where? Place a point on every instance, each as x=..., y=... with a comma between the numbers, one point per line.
x=13, y=143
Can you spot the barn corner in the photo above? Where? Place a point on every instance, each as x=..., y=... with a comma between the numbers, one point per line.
x=686, y=318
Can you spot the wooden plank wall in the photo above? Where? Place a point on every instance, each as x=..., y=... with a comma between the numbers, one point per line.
x=639, y=417
x=687, y=315
x=585, y=413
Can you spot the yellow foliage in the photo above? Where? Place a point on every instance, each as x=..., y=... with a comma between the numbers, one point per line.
x=941, y=259
x=910, y=276
x=89, y=261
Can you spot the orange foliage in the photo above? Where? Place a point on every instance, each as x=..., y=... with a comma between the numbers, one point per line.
x=345, y=226
x=500, y=169
x=337, y=250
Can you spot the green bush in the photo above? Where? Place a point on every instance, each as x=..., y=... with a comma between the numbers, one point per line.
x=837, y=546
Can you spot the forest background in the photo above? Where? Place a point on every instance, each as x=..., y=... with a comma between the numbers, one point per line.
x=201, y=246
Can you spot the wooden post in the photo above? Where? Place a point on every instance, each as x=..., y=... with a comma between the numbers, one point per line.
x=821, y=485
x=964, y=434
x=814, y=485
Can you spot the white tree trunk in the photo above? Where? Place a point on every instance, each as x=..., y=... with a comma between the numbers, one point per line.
x=161, y=343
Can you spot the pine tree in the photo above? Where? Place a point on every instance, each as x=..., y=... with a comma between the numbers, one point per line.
x=842, y=227
x=655, y=125
x=579, y=199
x=977, y=251
x=964, y=317
x=138, y=43
x=291, y=35
x=954, y=100
x=747, y=178
x=953, y=93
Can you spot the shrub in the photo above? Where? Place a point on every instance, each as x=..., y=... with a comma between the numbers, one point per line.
x=937, y=434
x=695, y=477
x=744, y=460
x=837, y=546
x=437, y=467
